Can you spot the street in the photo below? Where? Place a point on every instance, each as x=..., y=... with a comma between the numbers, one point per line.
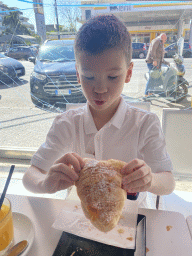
x=24, y=125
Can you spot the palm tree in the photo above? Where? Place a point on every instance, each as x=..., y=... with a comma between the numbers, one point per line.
x=13, y=24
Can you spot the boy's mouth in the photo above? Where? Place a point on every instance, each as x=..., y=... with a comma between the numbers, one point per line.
x=99, y=102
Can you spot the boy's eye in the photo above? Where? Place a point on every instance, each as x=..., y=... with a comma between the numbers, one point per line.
x=89, y=78
x=112, y=77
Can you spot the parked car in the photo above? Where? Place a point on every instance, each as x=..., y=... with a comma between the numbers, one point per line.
x=21, y=52
x=54, y=79
x=139, y=50
x=172, y=49
x=10, y=69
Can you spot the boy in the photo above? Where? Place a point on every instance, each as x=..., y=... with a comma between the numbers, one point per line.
x=107, y=127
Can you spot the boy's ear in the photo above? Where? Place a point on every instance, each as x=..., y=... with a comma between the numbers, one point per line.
x=77, y=73
x=129, y=73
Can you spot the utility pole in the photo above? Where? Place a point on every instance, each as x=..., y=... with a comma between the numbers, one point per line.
x=57, y=19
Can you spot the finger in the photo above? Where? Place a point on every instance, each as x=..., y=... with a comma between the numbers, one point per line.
x=136, y=175
x=66, y=172
x=132, y=166
x=140, y=189
x=71, y=159
x=133, y=186
x=82, y=163
x=64, y=185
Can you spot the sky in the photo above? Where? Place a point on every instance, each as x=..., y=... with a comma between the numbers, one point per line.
x=27, y=9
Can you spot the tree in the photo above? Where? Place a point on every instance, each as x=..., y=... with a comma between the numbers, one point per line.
x=13, y=25
x=70, y=14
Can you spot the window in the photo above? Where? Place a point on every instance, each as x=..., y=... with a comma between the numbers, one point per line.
x=26, y=115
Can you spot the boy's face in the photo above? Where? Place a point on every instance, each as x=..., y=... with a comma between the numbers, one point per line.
x=102, y=78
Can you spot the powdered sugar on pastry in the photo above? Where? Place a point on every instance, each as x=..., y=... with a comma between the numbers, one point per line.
x=99, y=188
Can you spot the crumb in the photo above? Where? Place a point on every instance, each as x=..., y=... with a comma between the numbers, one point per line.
x=120, y=231
x=122, y=217
x=147, y=250
x=89, y=229
x=76, y=251
x=130, y=238
x=169, y=228
x=76, y=207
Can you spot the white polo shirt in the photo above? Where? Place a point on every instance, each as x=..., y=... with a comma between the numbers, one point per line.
x=131, y=133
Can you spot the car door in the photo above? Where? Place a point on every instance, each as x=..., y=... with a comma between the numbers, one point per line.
x=171, y=50
x=21, y=53
x=13, y=53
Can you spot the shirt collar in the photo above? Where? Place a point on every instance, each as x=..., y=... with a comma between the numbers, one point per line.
x=88, y=121
x=116, y=120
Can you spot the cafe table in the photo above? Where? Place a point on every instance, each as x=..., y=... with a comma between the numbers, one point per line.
x=167, y=233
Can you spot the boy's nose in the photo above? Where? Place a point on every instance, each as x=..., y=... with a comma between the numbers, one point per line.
x=100, y=87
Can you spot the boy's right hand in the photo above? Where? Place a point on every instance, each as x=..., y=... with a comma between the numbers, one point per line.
x=63, y=173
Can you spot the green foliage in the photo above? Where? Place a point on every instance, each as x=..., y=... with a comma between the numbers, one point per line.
x=38, y=38
x=27, y=42
x=13, y=25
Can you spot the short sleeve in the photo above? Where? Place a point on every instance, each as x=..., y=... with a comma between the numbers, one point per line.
x=152, y=147
x=58, y=142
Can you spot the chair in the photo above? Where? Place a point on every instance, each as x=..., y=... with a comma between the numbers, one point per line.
x=137, y=104
x=141, y=104
x=177, y=129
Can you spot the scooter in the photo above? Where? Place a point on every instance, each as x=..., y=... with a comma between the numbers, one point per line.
x=168, y=82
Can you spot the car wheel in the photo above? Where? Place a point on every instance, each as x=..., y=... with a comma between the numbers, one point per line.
x=36, y=102
x=141, y=55
x=187, y=55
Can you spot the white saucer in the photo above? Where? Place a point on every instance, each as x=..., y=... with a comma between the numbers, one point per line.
x=23, y=230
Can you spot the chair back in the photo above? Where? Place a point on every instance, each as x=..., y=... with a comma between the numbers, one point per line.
x=141, y=104
x=177, y=128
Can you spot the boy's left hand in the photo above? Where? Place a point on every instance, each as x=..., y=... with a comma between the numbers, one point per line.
x=137, y=176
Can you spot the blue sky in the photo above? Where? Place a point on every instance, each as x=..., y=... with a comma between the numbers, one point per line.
x=27, y=9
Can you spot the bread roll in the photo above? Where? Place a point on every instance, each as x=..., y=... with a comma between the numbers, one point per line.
x=100, y=192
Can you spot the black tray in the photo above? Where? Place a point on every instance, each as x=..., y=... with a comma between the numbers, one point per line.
x=72, y=245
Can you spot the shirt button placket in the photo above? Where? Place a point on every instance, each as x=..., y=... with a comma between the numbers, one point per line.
x=98, y=150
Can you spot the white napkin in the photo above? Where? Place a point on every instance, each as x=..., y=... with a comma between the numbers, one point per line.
x=72, y=220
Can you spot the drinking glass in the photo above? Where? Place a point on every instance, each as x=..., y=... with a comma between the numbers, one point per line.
x=6, y=227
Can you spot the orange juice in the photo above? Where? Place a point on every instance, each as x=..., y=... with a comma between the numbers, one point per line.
x=6, y=226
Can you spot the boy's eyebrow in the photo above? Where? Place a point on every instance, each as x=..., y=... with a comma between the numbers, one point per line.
x=111, y=69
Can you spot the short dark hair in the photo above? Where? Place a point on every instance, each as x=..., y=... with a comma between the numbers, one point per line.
x=101, y=33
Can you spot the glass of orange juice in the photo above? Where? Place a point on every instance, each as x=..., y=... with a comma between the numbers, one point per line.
x=6, y=227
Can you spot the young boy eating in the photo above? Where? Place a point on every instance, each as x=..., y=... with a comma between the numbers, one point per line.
x=107, y=127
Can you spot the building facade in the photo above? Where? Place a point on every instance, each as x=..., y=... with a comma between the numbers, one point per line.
x=146, y=20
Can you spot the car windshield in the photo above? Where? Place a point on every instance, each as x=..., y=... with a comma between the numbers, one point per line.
x=56, y=53
x=2, y=56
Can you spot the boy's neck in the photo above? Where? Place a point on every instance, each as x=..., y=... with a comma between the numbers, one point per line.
x=100, y=118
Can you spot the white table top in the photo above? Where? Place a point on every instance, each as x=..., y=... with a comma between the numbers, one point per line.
x=43, y=212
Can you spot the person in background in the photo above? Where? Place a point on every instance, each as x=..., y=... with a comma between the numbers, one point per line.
x=106, y=127
x=155, y=57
